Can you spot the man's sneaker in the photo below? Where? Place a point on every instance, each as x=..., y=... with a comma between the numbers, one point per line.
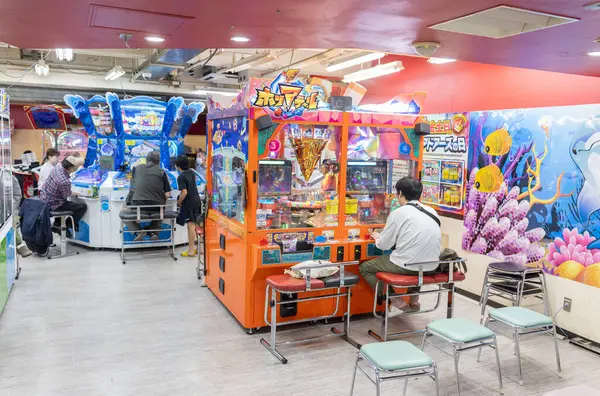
x=393, y=311
x=23, y=251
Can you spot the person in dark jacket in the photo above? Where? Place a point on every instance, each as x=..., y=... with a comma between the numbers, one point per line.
x=35, y=225
x=188, y=202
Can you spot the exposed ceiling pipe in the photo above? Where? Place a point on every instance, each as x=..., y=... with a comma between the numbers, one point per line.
x=206, y=55
x=323, y=56
x=250, y=61
x=156, y=55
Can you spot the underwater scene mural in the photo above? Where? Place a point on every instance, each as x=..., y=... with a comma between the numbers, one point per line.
x=533, y=193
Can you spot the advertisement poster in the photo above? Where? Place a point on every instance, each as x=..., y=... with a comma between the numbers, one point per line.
x=445, y=153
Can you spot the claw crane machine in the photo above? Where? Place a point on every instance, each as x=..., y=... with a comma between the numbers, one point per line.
x=279, y=193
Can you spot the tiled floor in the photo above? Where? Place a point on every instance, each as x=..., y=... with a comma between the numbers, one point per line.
x=87, y=325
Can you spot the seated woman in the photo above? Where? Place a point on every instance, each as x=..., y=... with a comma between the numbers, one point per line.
x=413, y=232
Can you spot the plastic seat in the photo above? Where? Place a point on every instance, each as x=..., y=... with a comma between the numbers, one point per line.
x=60, y=213
x=287, y=283
x=125, y=215
x=460, y=330
x=445, y=278
x=350, y=279
x=167, y=214
x=508, y=266
x=520, y=317
x=403, y=280
x=396, y=355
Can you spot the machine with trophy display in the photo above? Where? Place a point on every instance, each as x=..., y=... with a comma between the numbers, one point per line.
x=122, y=133
x=292, y=181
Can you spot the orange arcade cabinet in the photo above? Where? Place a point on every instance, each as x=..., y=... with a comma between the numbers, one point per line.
x=291, y=180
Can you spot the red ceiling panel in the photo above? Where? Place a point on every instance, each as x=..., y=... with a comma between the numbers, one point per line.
x=390, y=25
x=129, y=20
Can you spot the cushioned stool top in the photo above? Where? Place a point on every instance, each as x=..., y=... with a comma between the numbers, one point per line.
x=520, y=317
x=350, y=279
x=133, y=216
x=167, y=214
x=395, y=355
x=403, y=280
x=460, y=330
x=508, y=267
x=290, y=284
x=59, y=213
x=444, y=278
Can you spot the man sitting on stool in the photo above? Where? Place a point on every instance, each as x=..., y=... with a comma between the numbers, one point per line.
x=57, y=188
x=149, y=186
x=413, y=232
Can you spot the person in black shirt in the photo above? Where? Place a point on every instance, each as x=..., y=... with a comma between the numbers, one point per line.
x=189, y=201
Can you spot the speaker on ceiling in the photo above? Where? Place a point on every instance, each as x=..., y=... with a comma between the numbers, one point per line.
x=422, y=129
x=340, y=103
x=264, y=122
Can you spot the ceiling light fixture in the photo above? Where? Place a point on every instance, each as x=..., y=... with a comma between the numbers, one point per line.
x=155, y=39
x=353, y=61
x=41, y=68
x=240, y=39
x=440, y=61
x=596, y=53
x=115, y=73
x=373, y=72
x=65, y=54
x=215, y=91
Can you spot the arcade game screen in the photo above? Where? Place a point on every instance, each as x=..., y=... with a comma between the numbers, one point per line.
x=89, y=177
x=136, y=150
x=107, y=150
x=101, y=117
x=228, y=183
x=298, y=186
x=68, y=143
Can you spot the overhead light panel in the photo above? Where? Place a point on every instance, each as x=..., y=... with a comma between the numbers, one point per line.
x=594, y=53
x=353, y=61
x=65, y=54
x=240, y=39
x=252, y=61
x=41, y=68
x=440, y=61
x=155, y=39
x=373, y=72
x=215, y=91
x=115, y=73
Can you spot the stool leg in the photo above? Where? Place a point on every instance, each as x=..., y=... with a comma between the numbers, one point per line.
x=545, y=295
x=122, y=242
x=487, y=320
x=456, y=355
x=405, y=386
x=484, y=301
x=450, y=306
x=377, y=382
x=498, y=362
x=436, y=379
x=274, y=319
x=354, y=375
x=483, y=287
x=385, y=313
x=518, y=353
x=63, y=232
x=520, y=287
x=557, y=353
x=425, y=334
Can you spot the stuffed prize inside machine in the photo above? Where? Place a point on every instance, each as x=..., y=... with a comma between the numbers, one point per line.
x=311, y=187
x=121, y=134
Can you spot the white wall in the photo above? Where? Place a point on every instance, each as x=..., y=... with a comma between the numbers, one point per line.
x=583, y=318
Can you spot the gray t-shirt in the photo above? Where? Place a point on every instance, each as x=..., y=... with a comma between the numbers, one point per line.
x=149, y=183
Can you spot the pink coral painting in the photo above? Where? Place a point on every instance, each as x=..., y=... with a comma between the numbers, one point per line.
x=569, y=257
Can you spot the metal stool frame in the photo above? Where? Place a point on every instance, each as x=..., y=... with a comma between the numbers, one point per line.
x=63, y=238
x=520, y=331
x=138, y=209
x=513, y=286
x=413, y=372
x=459, y=347
x=272, y=302
x=446, y=287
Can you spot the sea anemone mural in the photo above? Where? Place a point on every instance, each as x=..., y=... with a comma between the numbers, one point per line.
x=569, y=257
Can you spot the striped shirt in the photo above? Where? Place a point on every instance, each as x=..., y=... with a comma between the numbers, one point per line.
x=57, y=187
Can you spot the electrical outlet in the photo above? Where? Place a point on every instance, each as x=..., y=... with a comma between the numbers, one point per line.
x=567, y=304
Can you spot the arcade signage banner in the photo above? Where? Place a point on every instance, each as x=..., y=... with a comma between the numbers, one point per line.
x=444, y=161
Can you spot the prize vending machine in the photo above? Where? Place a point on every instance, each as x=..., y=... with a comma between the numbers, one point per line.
x=381, y=150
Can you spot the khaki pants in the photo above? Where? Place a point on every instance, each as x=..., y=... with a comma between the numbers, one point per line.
x=370, y=268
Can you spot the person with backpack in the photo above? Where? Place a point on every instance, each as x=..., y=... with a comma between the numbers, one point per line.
x=413, y=233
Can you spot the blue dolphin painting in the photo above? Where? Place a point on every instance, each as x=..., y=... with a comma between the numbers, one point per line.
x=585, y=152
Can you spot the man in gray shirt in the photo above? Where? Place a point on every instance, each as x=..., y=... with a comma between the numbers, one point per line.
x=413, y=232
x=149, y=186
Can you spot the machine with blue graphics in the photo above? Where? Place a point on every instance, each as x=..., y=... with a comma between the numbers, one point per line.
x=121, y=133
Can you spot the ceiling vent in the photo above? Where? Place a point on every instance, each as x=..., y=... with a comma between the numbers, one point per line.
x=502, y=21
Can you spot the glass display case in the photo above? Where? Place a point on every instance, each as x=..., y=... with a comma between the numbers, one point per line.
x=298, y=184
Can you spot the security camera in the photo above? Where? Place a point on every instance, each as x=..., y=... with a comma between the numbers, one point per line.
x=426, y=48
x=146, y=75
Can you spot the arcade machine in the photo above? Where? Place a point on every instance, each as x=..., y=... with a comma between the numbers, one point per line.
x=122, y=132
x=279, y=192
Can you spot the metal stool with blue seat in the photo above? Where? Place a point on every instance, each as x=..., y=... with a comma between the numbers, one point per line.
x=395, y=359
x=524, y=321
x=512, y=282
x=464, y=335
x=63, y=215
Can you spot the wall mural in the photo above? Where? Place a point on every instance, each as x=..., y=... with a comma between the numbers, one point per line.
x=534, y=189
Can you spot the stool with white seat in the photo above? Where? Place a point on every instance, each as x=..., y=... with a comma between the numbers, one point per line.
x=464, y=335
x=395, y=359
x=524, y=321
x=63, y=215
